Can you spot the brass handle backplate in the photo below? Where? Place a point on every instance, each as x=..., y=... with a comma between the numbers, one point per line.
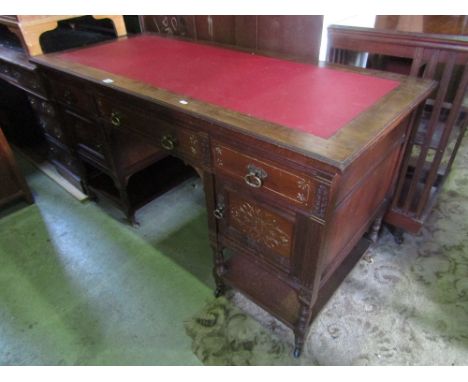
x=255, y=175
x=219, y=212
x=115, y=119
x=168, y=142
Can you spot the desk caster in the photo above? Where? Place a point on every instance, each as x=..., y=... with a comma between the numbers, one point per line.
x=398, y=236
x=219, y=291
x=297, y=352
x=132, y=221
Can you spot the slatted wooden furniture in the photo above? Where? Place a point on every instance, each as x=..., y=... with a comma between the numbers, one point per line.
x=12, y=183
x=296, y=160
x=436, y=136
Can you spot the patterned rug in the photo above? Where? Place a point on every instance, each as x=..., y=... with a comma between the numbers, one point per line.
x=401, y=305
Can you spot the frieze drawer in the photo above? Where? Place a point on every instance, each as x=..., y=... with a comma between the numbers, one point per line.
x=23, y=77
x=28, y=79
x=88, y=137
x=62, y=156
x=71, y=94
x=268, y=178
x=173, y=139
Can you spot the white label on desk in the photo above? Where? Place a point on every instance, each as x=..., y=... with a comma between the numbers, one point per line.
x=183, y=102
x=108, y=80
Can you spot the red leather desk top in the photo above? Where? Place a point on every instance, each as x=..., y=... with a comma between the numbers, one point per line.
x=316, y=100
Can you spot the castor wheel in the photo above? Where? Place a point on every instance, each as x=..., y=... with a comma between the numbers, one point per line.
x=219, y=291
x=398, y=237
x=132, y=221
x=297, y=352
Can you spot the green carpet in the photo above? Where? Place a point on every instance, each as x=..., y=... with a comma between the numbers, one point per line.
x=78, y=287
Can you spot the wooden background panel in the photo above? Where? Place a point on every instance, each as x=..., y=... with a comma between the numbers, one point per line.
x=439, y=24
x=296, y=37
x=292, y=35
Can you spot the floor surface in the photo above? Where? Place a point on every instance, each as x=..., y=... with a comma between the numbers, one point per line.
x=78, y=286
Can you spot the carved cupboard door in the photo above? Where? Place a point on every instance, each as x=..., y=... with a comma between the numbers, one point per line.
x=247, y=222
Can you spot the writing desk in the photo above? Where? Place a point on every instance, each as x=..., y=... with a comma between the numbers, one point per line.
x=297, y=161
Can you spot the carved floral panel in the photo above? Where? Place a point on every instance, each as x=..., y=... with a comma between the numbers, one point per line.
x=261, y=225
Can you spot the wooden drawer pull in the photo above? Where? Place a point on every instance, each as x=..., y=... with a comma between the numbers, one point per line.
x=255, y=175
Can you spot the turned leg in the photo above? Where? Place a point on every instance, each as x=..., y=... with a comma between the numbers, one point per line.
x=218, y=271
x=375, y=229
x=300, y=330
x=132, y=219
x=87, y=190
x=129, y=211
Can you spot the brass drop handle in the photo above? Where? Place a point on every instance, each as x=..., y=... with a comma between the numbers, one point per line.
x=168, y=142
x=254, y=177
x=219, y=212
x=115, y=119
x=253, y=180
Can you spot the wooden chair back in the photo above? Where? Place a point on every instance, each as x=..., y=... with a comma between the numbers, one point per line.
x=437, y=134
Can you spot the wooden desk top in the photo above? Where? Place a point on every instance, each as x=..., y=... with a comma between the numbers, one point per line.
x=327, y=113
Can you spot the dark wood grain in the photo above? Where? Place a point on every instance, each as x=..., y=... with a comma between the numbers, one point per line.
x=438, y=24
x=295, y=37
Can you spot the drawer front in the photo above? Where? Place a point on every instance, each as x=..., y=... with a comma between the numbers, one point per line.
x=87, y=136
x=72, y=94
x=265, y=231
x=42, y=107
x=52, y=127
x=172, y=138
x=24, y=77
x=5, y=69
x=62, y=156
x=47, y=117
x=131, y=151
x=264, y=176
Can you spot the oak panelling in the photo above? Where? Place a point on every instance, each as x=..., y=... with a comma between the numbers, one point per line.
x=297, y=37
x=440, y=24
